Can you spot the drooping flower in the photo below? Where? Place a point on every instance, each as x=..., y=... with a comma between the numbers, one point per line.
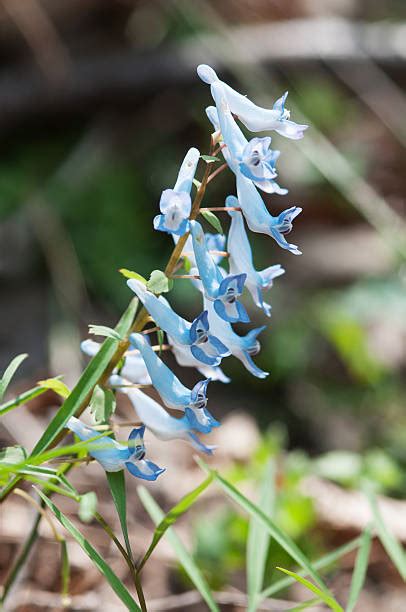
x=240, y=259
x=224, y=292
x=175, y=204
x=258, y=163
x=133, y=368
x=185, y=358
x=158, y=420
x=255, y=212
x=242, y=347
x=173, y=393
x=114, y=456
x=203, y=345
x=256, y=118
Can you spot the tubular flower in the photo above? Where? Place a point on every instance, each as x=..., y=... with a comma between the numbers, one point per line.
x=242, y=347
x=240, y=253
x=114, y=456
x=173, y=393
x=255, y=118
x=175, y=204
x=133, y=369
x=223, y=292
x=203, y=346
x=157, y=420
x=185, y=358
x=255, y=212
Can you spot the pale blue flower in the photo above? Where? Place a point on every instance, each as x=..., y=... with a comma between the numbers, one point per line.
x=176, y=204
x=185, y=358
x=203, y=345
x=173, y=393
x=255, y=118
x=258, y=163
x=133, y=368
x=114, y=456
x=157, y=420
x=224, y=292
x=242, y=347
x=240, y=259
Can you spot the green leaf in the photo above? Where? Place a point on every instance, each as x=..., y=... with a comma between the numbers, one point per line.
x=23, y=398
x=196, y=183
x=160, y=335
x=213, y=220
x=258, y=539
x=187, y=265
x=282, y=538
x=360, y=570
x=159, y=283
x=389, y=542
x=82, y=390
x=172, y=516
x=304, y=605
x=87, y=506
x=103, y=330
x=55, y=384
x=116, y=482
x=328, y=599
x=65, y=574
x=184, y=557
x=12, y=455
x=102, y=404
x=9, y=373
x=115, y=582
x=131, y=274
x=210, y=159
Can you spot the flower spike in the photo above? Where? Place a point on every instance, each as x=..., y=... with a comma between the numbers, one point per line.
x=175, y=204
x=241, y=259
x=224, y=292
x=173, y=393
x=158, y=420
x=114, y=456
x=203, y=346
x=255, y=118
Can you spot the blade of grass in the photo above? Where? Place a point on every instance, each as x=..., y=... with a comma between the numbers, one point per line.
x=169, y=519
x=259, y=538
x=282, y=538
x=304, y=605
x=23, y=398
x=321, y=563
x=328, y=599
x=9, y=373
x=82, y=390
x=389, y=542
x=65, y=574
x=115, y=583
x=184, y=557
x=116, y=482
x=360, y=570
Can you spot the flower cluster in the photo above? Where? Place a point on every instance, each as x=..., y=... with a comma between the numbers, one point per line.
x=203, y=342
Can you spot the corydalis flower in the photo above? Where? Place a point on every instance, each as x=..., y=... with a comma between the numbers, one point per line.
x=185, y=358
x=240, y=259
x=175, y=204
x=203, y=346
x=258, y=163
x=255, y=212
x=173, y=393
x=224, y=292
x=256, y=118
x=157, y=420
x=133, y=368
x=114, y=456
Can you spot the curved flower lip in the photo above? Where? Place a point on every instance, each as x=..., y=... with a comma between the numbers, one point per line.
x=255, y=118
x=283, y=225
x=223, y=291
x=186, y=359
x=157, y=420
x=114, y=456
x=203, y=345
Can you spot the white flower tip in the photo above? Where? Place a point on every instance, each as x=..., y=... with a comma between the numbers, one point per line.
x=206, y=74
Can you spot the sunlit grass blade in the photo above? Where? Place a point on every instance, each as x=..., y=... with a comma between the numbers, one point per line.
x=116, y=482
x=282, y=538
x=9, y=373
x=319, y=564
x=327, y=598
x=65, y=573
x=258, y=538
x=23, y=398
x=82, y=390
x=93, y=555
x=169, y=519
x=184, y=557
x=360, y=570
x=389, y=542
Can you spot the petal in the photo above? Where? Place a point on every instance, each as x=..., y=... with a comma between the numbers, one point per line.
x=207, y=74
x=187, y=172
x=251, y=367
x=232, y=313
x=198, y=444
x=201, y=420
x=144, y=469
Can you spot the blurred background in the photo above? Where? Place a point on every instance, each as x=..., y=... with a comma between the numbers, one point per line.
x=99, y=102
